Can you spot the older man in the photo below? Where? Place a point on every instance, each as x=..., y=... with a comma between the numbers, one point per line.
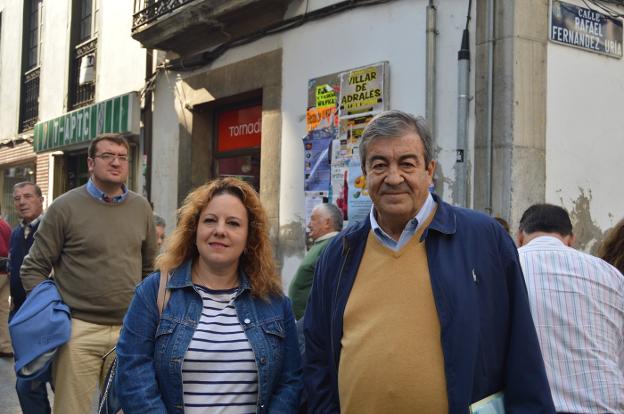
x=28, y=202
x=421, y=308
x=325, y=223
x=577, y=302
x=100, y=241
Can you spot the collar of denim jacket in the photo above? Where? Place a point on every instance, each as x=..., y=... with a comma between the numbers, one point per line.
x=182, y=277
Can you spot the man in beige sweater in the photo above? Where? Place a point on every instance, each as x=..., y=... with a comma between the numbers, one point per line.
x=99, y=240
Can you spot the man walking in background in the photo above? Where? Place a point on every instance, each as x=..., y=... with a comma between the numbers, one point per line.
x=28, y=201
x=325, y=223
x=100, y=241
x=577, y=302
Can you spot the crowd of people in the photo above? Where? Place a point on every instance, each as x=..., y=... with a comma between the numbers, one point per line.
x=423, y=307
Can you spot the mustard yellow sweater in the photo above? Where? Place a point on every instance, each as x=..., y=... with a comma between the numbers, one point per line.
x=391, y=359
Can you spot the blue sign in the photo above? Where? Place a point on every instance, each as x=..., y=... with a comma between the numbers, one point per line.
x=585, y=29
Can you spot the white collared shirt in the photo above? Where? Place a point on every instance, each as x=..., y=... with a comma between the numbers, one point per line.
x=410, y=229
x=577, y=303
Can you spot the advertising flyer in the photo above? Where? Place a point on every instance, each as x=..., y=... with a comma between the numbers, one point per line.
x=312, y=199
x=359, y=202
x=362, y=90
x=316, y=165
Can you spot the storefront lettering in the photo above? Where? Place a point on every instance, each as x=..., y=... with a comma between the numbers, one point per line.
x=245, y=129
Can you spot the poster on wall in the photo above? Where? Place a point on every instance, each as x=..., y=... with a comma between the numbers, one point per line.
x=359, y=202
x=316, y=165
x=313, y=199
x=362, y=90
x=340, y=105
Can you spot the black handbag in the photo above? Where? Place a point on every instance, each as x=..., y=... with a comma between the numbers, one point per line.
x=109, y=401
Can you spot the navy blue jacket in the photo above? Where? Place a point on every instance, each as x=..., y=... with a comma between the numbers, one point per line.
x=487, y=333
x=18, y=249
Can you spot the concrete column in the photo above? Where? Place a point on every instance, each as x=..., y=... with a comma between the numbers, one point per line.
x=519, y=107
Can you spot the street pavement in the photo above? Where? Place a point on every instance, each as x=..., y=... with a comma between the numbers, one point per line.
x=9, y=403
x=8, y=398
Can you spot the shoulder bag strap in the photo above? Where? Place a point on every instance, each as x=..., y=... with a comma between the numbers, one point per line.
x=163, y=292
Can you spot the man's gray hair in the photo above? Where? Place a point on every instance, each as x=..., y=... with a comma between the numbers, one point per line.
x=23, y=184
x=395, y=124
x=334, y=214
x=159, y=221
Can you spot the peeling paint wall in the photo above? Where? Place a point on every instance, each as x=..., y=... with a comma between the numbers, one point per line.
x=585, y=139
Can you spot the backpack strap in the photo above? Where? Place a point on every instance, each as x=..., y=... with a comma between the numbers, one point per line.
x=163, y=292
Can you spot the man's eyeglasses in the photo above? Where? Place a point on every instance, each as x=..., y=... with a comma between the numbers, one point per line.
x=109, y=157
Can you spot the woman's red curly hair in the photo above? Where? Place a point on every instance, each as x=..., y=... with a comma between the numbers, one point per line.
x=257, y=259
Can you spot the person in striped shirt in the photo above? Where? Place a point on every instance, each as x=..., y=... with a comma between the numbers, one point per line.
x=226, y=340
x=577, y=304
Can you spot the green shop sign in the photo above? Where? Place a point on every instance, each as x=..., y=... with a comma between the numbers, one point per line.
x=118, y=114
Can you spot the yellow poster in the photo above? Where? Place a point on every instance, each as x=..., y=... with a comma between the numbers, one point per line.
x=325, y=96
x=361, y=90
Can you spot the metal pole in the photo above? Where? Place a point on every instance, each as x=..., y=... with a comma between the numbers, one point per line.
x=460, y=195
x=490, y=103
x=431, y=67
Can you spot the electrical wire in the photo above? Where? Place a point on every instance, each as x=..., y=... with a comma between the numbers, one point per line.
x=207, y=57
x=606, y=9
x=468, y=18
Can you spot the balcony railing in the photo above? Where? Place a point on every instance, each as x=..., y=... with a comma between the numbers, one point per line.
x=146, y=11
x=84, y=94
x=30, y=99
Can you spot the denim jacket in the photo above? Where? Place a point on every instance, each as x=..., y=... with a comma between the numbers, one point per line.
x=151, y=351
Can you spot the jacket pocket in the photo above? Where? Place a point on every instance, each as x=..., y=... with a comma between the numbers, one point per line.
x=274, y=334
x=164, y=332
x=275, y=328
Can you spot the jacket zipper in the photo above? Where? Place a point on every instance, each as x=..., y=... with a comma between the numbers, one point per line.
x=335, y=310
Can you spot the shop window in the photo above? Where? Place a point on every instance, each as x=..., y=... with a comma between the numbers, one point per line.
x=10, y=177
x=83, y=53
x=238, y=143
x=31, y=47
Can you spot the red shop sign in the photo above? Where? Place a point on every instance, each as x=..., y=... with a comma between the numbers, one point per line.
x=239, y=128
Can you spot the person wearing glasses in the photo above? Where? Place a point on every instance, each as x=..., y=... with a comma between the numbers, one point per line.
x=99, y=240
x=226, y=340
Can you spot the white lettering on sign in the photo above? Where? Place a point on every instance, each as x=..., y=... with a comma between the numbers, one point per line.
x=245, y=129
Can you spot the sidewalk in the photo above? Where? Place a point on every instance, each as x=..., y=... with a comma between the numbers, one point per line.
x=8, y=398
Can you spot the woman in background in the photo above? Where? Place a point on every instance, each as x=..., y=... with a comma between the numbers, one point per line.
x=612, y=248
x=226, y=340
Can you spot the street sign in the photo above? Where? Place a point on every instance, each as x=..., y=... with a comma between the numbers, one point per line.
x=585, y=29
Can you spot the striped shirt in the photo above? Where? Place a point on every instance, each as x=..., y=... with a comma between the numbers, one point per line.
x=577, y=302
x=219, y=373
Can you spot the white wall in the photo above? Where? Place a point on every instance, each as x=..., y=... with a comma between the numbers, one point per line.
x=54, y=59
x=165, y=142
x=393, y=32
x=585, y=138
x=121, y=59
x=10, y=66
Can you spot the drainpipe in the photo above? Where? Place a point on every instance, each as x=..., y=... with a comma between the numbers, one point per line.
x=460, y=195
x=148, y=126
x=489, y=36
x=431, y=68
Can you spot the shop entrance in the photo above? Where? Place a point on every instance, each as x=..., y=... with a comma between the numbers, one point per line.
x=237, y=152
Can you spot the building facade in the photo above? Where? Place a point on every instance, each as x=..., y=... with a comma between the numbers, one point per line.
x=69, y=70
x=257, y=88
